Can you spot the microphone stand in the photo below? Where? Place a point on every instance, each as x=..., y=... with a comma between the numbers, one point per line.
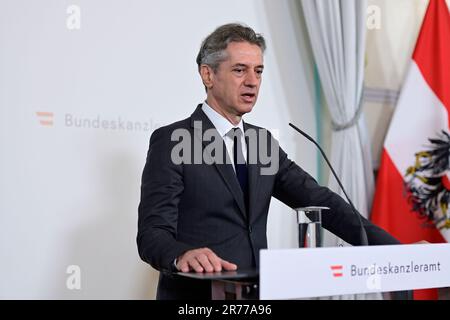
x=363, y=234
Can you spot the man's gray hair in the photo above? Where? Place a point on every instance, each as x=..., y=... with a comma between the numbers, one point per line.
x=212, y=52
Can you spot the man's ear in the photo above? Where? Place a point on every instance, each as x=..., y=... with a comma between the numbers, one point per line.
x=207, y=74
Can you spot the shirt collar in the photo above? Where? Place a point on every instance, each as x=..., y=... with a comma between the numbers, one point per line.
x=222, y=125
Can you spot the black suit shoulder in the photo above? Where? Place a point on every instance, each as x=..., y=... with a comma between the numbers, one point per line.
x=182, y=124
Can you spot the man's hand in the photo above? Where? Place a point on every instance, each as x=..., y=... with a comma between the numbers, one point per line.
x=203, y=260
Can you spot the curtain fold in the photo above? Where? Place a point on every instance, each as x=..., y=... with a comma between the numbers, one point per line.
x=337, y=32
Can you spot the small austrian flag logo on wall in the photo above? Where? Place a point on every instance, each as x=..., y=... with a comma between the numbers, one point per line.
x=45, y=118
x=337, y=271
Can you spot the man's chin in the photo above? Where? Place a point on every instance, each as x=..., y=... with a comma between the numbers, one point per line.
x=245, y=108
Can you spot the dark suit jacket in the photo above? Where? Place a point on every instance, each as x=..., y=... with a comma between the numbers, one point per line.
x=189, y=206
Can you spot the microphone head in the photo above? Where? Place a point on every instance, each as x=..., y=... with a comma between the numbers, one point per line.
x=302, y=133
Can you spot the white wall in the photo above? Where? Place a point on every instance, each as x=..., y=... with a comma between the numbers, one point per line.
x=69, y=195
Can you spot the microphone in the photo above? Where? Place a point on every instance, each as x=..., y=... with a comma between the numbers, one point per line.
x=363, y=234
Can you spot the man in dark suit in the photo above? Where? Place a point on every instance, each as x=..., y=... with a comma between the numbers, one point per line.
x=205, y=209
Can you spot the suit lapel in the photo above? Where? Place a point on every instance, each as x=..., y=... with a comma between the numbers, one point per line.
x=225, y=169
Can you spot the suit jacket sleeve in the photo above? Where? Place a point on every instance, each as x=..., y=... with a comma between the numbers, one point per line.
x=297, y=189
x=162, y=185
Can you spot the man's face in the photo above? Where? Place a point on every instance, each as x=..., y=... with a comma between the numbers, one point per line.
x=235, y=85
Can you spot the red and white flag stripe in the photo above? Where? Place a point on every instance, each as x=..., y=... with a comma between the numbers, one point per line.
x=422, y=113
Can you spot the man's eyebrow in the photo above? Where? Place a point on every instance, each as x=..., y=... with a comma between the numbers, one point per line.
x=246, y=66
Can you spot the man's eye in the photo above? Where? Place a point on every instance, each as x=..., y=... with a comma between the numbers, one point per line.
x=259, y=71
x=239, y=70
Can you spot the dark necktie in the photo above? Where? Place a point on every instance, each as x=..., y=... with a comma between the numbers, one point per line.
x=240, y=165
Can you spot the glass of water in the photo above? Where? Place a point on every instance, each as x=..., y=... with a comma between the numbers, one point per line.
x=309, y=222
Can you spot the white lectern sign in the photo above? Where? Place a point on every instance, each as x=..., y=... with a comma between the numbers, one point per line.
x=305, y=273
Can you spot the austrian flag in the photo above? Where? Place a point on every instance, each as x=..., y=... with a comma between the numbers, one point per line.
x=413, y=188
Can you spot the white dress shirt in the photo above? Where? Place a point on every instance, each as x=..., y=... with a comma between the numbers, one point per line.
x=224, y=126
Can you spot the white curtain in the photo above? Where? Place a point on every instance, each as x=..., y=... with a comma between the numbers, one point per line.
x=337, y=31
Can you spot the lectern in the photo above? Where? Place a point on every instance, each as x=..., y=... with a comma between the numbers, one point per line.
x=230, y=285
x=321, y=272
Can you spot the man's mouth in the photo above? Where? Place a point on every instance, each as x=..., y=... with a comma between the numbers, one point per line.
x=248, y=97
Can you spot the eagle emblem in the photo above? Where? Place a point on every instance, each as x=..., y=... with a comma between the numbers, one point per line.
x=427, y=182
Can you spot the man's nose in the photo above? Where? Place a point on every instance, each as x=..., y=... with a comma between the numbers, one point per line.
x=251, y=80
